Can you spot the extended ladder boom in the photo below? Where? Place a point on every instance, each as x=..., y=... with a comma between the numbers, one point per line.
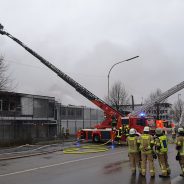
x=108, y=110
x=160, y=98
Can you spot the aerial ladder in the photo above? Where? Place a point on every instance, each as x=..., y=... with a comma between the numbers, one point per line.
x=155, y=102
x=109, y=112
x=159, y=99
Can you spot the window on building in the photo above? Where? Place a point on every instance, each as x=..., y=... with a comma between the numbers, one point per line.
x=55, y=114
x=51, y=108
x=1, y=104
x=5, y=106
x=12, y=106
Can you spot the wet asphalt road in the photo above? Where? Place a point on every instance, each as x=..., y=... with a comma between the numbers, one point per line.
x=111, y=167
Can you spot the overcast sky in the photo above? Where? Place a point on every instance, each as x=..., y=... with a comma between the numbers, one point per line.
x=84, y=38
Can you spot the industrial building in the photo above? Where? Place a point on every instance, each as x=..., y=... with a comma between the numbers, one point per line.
x=26, y=118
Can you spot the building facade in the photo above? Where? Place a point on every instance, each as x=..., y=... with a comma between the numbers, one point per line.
x=26, y=118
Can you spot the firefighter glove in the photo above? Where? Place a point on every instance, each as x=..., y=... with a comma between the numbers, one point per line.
x=155, y=156
x=178, y=147
x=178, y=157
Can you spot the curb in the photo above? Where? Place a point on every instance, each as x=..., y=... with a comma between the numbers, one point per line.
x=31, y=154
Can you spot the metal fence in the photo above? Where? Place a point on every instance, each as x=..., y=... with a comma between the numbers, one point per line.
x=76, y=118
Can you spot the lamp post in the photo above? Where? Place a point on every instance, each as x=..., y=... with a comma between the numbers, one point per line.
x=179, y=104
x=114, y=66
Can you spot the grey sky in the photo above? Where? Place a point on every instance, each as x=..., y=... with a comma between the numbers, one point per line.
x=84, y=38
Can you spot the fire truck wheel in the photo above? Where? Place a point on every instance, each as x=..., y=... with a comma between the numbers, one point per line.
x=96, y=138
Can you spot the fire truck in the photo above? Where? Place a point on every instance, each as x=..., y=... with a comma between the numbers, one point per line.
x=113, y=120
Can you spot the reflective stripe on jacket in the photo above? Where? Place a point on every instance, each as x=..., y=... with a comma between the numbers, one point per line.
x=162, y=142
x=119, y=132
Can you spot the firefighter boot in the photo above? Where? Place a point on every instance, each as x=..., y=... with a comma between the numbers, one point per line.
x=133, y=171
x=163, y=176
x=168, y=171
x=143, y=172
x=182, y=172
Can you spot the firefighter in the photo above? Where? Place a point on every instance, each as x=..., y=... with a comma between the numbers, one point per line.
x=146, y=142
x=127, y=130
x=161, y=147
x=119, y=135
x=180, y=148
x=133, y=150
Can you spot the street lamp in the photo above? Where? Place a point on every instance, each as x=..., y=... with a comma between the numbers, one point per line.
x=114, y=66
x=179, y=104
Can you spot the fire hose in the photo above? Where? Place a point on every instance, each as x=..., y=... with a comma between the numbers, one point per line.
x=89, y=148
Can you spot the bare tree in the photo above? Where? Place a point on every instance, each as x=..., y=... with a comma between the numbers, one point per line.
x=4, y=78
x=118, y=95
x=153, y=95
x=177, y=110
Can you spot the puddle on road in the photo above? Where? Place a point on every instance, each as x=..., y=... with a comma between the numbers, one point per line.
x=4, y=164
x=114, y=167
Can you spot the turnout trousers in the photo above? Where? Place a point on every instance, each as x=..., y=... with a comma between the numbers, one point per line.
x=147, y=157
x=181, y=162
x=163, y=162
x=134, y=161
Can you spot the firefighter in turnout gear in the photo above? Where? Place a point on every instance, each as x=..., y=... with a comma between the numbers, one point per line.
x=119, y=135
x=133, y=150
x=180, y=148
x=161, y=147
x=146, y=147
x=127, y=130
